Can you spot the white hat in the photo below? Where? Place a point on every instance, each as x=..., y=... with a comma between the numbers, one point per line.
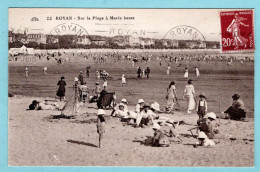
x=155, y=106
x=211, y=115
x=124, y=101
x=202, y=135
x=76, y=79
x=156, y=126
x=101, y=112
x=140, y=101
x=121, y=104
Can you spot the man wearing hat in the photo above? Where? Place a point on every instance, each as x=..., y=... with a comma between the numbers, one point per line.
x=237, y=110
x=202, y=106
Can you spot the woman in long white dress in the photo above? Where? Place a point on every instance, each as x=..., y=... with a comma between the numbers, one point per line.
x=186, y=74
x=189, y=95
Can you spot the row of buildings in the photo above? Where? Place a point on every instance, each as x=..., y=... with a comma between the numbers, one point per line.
x=127, y=40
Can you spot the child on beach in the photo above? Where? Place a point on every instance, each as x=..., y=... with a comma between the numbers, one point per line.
x=202, y=106
x=203, y=140
x=100, y=125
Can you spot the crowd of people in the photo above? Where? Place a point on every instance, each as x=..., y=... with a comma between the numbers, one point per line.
x=145, y=114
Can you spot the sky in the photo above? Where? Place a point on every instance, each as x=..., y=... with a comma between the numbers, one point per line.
x=152, y=23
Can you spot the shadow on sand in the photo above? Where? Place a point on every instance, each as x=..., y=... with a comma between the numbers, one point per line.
x=82, y=143
x=146, y=142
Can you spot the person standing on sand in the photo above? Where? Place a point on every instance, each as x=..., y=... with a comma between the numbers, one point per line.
x=139, y=71
x=26, y=73
x=186, y=74
x=80, y=77
x=168, y=69
x=61, y=88
x=100, y=125
x=171, y=97
x=189, y=94
x=202, y=106
x=197, y=72
x=87, y=71
x=45, y=70
x=123, y=80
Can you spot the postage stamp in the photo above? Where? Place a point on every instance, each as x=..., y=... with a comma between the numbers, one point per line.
x=237, y=30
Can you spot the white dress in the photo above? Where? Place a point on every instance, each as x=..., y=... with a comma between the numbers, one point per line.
x=123, y=80
x=197, y=72
x=186, y=74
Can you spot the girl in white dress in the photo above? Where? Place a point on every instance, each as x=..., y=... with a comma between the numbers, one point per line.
x=186, y=74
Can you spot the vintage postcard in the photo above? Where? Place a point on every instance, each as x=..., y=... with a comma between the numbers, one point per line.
x=131, y=87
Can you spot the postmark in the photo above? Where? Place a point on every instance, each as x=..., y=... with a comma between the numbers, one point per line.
x=186, y=37
x=65, y=35
x=237, y=30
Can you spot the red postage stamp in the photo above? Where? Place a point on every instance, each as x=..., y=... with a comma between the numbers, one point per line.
x=237, y=30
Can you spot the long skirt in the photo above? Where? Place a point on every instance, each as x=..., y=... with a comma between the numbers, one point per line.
x=190, y=103
x=186, y=75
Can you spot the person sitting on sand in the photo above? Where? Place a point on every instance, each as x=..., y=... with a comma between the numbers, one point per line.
x=146, y=116
x=237, y=110
x=36, y=105
x=121, y=112
x=203, y=140
x=139, y=106
x=206, y=125
x=123, y=102
x=101, y=125
x=159, y=139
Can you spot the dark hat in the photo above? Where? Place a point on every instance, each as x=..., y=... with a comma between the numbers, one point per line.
x=202, y=95
x=236, y=96
x=189, y=81
x=62, y=77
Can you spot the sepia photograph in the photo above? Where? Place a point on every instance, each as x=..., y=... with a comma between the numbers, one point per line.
x=131, y=87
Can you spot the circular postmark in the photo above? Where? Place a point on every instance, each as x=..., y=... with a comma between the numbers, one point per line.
x=66, y=36
x=191, y=36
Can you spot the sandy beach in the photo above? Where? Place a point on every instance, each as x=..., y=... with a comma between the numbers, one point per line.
x=36, y=139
